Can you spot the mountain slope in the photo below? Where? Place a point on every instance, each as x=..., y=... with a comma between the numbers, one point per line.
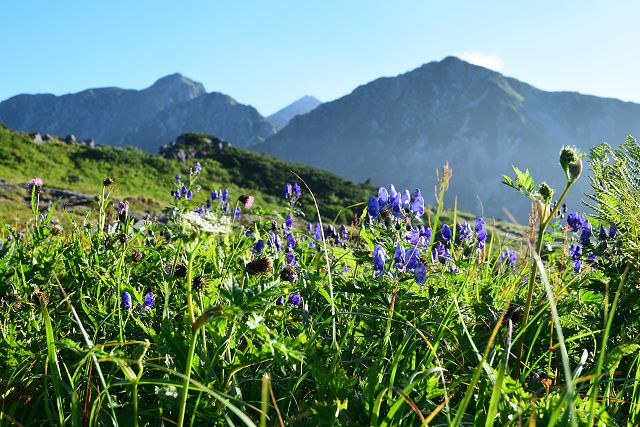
x=302, y=106
x=147, y=118
x=75, y=173
x=401, y=129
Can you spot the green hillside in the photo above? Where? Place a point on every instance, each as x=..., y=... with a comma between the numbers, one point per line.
x=75, y=173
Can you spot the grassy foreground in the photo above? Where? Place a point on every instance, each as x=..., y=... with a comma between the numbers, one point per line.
x=401, y=318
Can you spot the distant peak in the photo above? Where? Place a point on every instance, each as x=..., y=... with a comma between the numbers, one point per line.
x=175, y=80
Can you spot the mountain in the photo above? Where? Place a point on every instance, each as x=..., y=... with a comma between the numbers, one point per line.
x=402, y=129
x=147, y=118
x=297, y=108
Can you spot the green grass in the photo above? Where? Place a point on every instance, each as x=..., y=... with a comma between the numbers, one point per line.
x=220, y=347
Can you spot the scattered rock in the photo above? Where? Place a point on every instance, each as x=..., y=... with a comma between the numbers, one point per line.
x=36, y=138
x=70, y=139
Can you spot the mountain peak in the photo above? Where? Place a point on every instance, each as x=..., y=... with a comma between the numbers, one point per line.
x=301, y=106
x=176, y=81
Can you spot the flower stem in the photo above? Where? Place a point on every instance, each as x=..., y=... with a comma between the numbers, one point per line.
x=192, y=255
x=532, y=275
x=187, y=377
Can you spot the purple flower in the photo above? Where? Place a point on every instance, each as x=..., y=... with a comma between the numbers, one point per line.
x=603, y=234
x=399, y=257
x=225, y=208
x=585, y=236
x=198, y=168
x=317, y=233
x=481, y=233
x=508, y=257
x=36, y=183
x=577, y=266
x=297, y=191
x=417, y=203
x=126, y=300
x=258, y=247
x=287, y=191
x=393, y=194
x=344, y=234
x=280, y=301
x=420, y=273
x=148, y=301
x=612, y=231
x=208, y=204
x=183, y=190
x=238, y=213
x=413, y=258
x=378, y=260
x=295, y=300
x=225, y=195
x=215, y=195
x=274, y=241
x=291, y=241
x=247, y=201
x=575, y=251
x=592, y=258
x=291, y=257
x=123, y=210
x=383, y=197
x=463, y=232
x=178, y=177
x=575, y=220
x=189, y=194
x=446, y=233
x=373, y=207
x=288, y=221
x=440, y=253
x=199, y=210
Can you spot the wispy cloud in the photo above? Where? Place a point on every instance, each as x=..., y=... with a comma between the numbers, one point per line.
x=487, y=60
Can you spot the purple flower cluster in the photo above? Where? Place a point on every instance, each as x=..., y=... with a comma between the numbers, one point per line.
x=409, y=259
x=147, y=303
x=399, y=204
x=292, y=192
x=419, y=236
x=293, y=299
x=509, y=258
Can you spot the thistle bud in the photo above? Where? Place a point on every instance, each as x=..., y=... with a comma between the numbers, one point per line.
x=107, y=182
x=288, y=274
x=545, y=192
x=571, y=163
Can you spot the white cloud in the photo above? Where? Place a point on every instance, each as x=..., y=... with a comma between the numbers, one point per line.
x=487, y=60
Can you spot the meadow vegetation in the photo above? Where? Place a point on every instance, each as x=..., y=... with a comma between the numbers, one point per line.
x=229, y=313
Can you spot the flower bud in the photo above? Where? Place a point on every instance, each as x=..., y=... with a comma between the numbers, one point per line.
x=571, y=163
x=546, y=192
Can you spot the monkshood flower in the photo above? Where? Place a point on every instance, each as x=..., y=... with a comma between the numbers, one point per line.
x=178, y=177
x=419, y=236
x=344, y=234
x=238, y=213
x=373, y=207
x=215, y=195
x=225, y=195
x=592, y=258
x=183, y=190
x=440, y=253
x=575, y=251
x=287, y=192
x=126, y=300
x=297, y=191
x=378, y=260
x=575, y=220
x=508, y=257
x=603, y=234
x=383, y=197
x=189, y=195
x=225, y=208
x=291, y=240
x=464, y=233
x=148, y=301
x=612, y=231
x=288, y=222
x=446, y=233
x=199, y=209
x=413, y=257
x=258, y=247
x=294, y=300
x=481, y=233
x=280, y=301
x=317, y=233
x=417, y=203
x=585, y=235
x=399, y=257
x=198, y=168
x=274, y=241
x=420, y=273
x=291, y=257
x=577, y=265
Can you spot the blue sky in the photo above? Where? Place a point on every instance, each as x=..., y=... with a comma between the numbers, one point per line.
x=269, y=53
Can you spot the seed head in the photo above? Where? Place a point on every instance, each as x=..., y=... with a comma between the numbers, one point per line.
x=259, y=266
x=288, y=274
x=107, y=182
x=198, y=283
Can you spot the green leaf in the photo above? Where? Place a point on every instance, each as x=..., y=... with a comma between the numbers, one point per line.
x=614, y=356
